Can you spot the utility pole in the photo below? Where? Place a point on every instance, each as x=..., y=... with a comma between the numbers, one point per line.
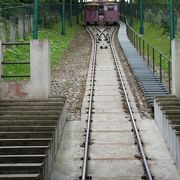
x=63, y=18
x=70, y=13
x=77, y=12
x=131, y=11
x=36, y=14
x=171, y=15
x=141, y=18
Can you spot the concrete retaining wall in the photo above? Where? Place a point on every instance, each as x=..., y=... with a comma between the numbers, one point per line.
x=38, y=87
x=168, y=121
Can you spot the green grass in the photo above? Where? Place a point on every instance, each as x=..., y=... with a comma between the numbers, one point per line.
x=156, y=36
x=159, y=40
x=58, y=45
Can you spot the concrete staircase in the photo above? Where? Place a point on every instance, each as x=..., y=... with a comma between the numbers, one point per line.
x=167, y=116
x=30, y=132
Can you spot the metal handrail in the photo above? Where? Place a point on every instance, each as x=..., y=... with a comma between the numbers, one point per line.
x=10, y=62
x=15, y=43
x=136, y=39
x=19, y=62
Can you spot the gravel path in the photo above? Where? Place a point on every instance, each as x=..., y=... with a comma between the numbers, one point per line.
x=69, y=76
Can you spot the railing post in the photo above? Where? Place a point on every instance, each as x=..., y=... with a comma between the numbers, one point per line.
x=160, y=71
x=141, y=17
x=77, y=12
x=140, y=46
x=143, y=48
x=1, y=58
x=131, y=11
x=153, y=61
x=70, y=13
x=148, y=54
x=36, y=14
x=63, y=18
x=169, y=75
x=172, y=29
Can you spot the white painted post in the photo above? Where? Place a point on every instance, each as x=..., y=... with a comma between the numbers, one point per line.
x=3, y=35
x=20, y=27
x=32, y=22
x=40, y=68
x=176, y=67
x=26, y=21
x=12, y=29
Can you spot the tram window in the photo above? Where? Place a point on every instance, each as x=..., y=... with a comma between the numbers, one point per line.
x=115, y=7
x=110, y=8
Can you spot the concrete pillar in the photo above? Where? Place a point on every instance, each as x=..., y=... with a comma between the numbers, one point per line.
x=40, y=68
x=32, y=22
x=12, y=29
x=3, y=30
x=20, y=27
x=26, y=23
x=176, y=67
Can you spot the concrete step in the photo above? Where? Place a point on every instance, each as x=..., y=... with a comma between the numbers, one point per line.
x=20, y=135
x=53, y=99
x=30, y=133
x=28, y=123
x=29, y=117
x=30, y=104
x=22, y=158
x=27, y=128
x=27, y=108
x=29, y=112
x=19, y=176
x=21, y=168
x=170, y=107
x=23, y=150
x=26, y=142
x=167, y=116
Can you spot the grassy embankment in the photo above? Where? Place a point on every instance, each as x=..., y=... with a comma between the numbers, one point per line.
x=156, y=36
x=58, y=44
x=159, y=39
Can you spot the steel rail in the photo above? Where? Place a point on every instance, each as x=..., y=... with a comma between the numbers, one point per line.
x=102, y=32
x=147, y=169
x=86, y=149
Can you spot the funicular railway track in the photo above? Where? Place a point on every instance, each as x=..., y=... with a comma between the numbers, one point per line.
x=106, y=154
